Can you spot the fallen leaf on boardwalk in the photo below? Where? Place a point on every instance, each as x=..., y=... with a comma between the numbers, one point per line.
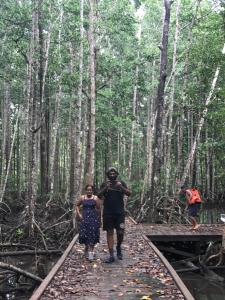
x=115, y=286
x=94, y=266
x=145, y=298
x=120, y=295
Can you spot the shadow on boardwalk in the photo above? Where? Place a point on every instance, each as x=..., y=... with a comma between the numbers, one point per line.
x=140, y=275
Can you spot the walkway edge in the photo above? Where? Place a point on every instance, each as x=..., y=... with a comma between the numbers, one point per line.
x=39, y=291
x=184, y=290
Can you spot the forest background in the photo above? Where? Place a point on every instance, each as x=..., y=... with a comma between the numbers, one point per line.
x=85, y=85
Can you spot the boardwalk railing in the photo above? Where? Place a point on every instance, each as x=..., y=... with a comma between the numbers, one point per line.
x=39, y=291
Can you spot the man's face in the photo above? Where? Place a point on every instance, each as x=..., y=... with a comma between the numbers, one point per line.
x=112, y=175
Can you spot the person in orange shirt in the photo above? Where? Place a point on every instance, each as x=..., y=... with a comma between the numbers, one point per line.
x=193, y=200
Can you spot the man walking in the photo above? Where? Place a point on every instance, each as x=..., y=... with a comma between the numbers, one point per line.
x=112, y=191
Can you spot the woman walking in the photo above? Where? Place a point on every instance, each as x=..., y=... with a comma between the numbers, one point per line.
x=90, y=221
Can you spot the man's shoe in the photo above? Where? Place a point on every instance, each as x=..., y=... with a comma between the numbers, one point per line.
x=110, y=260
x=86, y=254
x=91, y=256
x=119, y=253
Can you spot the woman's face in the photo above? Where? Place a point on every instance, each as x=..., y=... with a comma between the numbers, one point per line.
x=89, y=191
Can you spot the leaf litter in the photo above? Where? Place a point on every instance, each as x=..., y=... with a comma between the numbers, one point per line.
x=139, y=276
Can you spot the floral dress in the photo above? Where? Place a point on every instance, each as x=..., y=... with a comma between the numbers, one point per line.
x=90, y=225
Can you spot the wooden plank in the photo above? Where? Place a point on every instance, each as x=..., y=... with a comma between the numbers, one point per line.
x=183, y=238
x=175, y=251
x=39, y=291
x=181, y=229
x=179, y=282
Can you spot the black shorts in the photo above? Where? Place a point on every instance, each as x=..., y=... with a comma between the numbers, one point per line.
x=112, y=221
x=193, y=209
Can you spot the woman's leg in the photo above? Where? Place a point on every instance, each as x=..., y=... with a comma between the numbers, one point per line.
x=91, y=252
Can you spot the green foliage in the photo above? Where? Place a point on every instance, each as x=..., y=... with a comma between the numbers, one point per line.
x=19, y=232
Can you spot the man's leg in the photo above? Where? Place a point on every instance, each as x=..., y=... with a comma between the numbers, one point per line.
x=120, y=235
x=193, y=222
x=86, y=251
x=193, y=215
x=120, y=225
x=110, y=242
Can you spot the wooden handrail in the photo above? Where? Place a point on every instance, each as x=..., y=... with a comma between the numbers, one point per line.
x=39, y=291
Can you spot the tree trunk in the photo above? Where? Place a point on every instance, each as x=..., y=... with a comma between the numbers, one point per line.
x=180, y=134
x=2, y=191
x=5, y=141
x=55, y=130
x=150, y=138
x=134, y=104
x=44, y=109
x=32, y=118
x=157, y=161
x=78, y=169
x=91, y=133
x=201, y=123
x=171, y=104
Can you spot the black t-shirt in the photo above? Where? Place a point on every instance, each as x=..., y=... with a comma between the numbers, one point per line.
x=113, y=198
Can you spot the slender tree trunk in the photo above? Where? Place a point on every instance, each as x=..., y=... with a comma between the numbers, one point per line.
x=72, y=121
x=201, y=123
x=183, y=97
x=55, y=130
x=171, y=104
x=91, y=135
x=133, y=121
x=32, y=118
x=5, y=133
x=78, y=167
x=10, y=158
x=150, y=137
x=157, y=162
x=43, y=62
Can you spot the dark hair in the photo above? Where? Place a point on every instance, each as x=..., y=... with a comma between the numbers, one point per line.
x=112, y=169
x=89, y=185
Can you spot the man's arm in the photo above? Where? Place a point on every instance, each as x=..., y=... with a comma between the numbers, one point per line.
x=99, y=209
x=103, y=189
x=188, y=196
x=123, y=188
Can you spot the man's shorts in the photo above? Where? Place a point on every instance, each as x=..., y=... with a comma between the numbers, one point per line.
x=193, y=209
x=112, y=221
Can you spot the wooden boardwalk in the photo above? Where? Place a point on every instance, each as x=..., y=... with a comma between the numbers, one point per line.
x=144, y=273
x=180, y=232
